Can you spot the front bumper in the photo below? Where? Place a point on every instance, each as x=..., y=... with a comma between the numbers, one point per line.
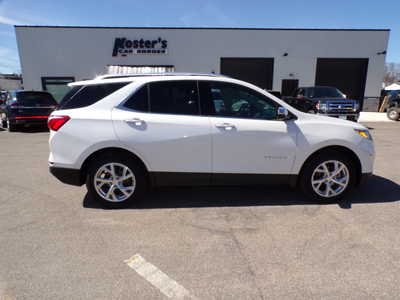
x=348, y=116
x=68, y=176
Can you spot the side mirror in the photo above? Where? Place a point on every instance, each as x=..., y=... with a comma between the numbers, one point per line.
x=282, y=114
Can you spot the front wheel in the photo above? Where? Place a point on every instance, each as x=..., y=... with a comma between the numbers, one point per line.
x=116, y=181
x=393, y=114
x=328, y=176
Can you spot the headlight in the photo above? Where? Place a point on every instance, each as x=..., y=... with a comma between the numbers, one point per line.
x=322, y=106
x=356, y=106
x=364, y=133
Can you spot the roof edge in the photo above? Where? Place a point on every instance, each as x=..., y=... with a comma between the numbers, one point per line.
x=204, y=28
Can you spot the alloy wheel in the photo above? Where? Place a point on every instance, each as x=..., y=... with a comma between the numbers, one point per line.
x=330, y=178
x=114, y=182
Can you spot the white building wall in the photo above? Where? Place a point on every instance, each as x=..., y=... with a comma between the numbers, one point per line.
x=10, y=84
x=85, y=52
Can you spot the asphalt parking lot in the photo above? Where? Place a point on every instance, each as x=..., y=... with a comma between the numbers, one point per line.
x=206, y=243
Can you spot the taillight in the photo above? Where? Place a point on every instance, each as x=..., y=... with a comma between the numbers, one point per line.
x=15, y=104
x=56, y=122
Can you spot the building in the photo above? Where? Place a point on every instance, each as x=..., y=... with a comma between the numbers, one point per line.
x=279, y=59
x=10, y=82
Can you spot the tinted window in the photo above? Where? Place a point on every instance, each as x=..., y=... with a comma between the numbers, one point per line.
x=89, y=94
x=230, y=100
x=139, y=100
x=35, y=98
x=324, y=92
x=174, y=97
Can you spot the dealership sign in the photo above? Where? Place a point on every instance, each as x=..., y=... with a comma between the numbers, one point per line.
x=124, y=46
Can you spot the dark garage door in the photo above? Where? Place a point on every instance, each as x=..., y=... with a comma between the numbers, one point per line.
x=347, y=74
x=258, y=71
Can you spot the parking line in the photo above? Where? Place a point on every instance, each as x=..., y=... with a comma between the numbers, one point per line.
x=158, y=278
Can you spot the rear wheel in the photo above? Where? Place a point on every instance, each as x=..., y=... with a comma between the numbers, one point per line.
x=393, y=114
x=327, y=176
x=116, y=181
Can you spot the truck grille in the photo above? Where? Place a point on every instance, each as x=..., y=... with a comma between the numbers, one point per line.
x=337, y=106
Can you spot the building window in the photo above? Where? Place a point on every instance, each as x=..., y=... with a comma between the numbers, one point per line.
x=121, y=69
x=57, y=86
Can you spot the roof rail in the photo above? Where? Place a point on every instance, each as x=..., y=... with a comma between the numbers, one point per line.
x=113, y=76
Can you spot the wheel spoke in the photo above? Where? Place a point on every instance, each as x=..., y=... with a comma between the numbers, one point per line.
x=127, y=177
x=337, y=171
x=112, y=168
x=110, y=191
x=326, y=169
x=104, y=180
x=125, y=190
x=337, y=181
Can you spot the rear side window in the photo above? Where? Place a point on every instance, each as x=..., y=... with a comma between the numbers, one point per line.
x=174, y=97
x=82, y=96
x=36, y=99
x=139, y=101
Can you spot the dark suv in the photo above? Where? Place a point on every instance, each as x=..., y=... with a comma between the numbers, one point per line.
x=25, y=108
x=324, y=100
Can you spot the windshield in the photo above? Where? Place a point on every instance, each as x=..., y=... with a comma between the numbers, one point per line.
x=36, y=98
x=325, y=92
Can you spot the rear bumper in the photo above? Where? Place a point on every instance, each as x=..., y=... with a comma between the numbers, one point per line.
x=68, y=176
x=28, y=120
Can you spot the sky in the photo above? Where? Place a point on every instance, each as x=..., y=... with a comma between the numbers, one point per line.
x=203, y=13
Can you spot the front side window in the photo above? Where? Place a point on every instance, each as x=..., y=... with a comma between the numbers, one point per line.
x=231, y=100
x=139, y=101
x=174, y=97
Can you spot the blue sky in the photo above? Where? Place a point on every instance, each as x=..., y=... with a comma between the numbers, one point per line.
x=204, y=13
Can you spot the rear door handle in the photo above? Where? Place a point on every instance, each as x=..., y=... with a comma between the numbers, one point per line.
x=135, y=121
x=225, y=126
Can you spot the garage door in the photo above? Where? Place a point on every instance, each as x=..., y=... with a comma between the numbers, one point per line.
x=347, y=74
x=258, y=71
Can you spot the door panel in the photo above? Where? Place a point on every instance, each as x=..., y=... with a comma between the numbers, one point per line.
x=252, y=146
x=246, y=135
x=168, y=143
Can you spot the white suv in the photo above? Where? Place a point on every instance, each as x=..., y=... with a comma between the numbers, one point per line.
x=123, y=134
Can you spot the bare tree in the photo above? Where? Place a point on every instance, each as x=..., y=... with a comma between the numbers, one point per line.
x=392, y=73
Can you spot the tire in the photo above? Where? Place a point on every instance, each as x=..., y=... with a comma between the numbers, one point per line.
x=313, y=169
x=11, y=127
x=128, y=192
x=393, y=114
x=353, y=119
x=3, y=123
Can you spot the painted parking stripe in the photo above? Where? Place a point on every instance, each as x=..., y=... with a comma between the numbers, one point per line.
x=158, y=278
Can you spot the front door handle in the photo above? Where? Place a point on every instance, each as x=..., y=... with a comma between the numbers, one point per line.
x=135, y=121
x=225, y=126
